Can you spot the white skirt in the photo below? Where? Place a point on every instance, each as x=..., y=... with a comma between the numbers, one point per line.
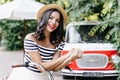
x=22, y=73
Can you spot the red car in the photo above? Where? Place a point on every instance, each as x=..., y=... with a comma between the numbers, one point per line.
x=99, y=57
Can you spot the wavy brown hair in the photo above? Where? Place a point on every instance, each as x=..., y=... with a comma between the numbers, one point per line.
x=57, y=35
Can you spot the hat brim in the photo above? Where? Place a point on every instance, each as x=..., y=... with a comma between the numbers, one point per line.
x=52, y=6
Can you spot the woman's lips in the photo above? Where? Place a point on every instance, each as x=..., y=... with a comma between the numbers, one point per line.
x=51, y=26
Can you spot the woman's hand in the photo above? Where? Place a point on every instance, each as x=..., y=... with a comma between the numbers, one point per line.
x=75, y=53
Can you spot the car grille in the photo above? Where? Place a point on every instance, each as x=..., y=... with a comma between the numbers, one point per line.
x=92, y=61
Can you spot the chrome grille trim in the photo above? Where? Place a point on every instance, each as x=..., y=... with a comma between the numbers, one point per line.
x=92, y=61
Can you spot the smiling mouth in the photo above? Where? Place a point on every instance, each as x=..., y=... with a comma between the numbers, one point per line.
x=51, y=26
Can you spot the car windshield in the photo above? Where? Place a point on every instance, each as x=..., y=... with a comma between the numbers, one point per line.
x=79, y=34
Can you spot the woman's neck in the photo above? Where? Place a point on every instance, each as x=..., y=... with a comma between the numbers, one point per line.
x=47, y=35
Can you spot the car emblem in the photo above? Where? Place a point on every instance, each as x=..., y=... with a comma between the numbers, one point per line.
x=92, y=60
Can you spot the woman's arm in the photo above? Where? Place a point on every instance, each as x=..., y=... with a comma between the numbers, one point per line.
x=50, y=65
x=57, y=63
x=57, y=55
x=76, y=54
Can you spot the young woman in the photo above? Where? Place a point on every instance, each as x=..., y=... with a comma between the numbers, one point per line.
x=45, y=44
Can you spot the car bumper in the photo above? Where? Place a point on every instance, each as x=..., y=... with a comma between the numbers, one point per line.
x=84, y=73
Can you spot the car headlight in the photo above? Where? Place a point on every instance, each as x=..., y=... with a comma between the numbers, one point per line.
x=116, y=59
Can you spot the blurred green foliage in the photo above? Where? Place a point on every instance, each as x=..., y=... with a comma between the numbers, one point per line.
x=14, y=31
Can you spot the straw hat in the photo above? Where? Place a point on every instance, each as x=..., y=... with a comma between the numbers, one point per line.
x=52, y=6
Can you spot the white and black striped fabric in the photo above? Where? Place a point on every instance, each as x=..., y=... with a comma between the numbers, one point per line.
x=45, y=53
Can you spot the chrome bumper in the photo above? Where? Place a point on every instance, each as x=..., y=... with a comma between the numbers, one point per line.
x=84, y=73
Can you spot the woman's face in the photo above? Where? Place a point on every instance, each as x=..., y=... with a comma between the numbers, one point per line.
x=53, y=21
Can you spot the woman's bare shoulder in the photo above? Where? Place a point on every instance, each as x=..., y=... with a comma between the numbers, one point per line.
x=30, y=36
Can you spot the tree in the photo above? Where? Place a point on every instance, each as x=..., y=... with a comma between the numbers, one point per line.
x=106, y=11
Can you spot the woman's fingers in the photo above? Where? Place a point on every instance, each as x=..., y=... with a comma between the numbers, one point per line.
x=80, y=52
x=76, y=53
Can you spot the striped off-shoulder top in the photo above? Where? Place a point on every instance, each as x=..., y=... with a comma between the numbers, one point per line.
x=45, y=53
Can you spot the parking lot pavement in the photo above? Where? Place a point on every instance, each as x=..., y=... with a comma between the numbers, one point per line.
x=8, y=58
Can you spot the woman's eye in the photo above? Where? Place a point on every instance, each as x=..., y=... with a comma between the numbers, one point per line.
x=58, y=20
x=50, y=18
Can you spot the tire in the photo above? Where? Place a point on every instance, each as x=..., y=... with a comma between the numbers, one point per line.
x=110, y=78
x=68, y=77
